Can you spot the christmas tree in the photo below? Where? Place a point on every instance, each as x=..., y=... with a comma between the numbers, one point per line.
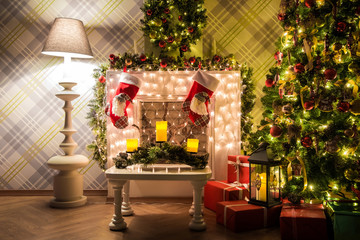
x=311, y=102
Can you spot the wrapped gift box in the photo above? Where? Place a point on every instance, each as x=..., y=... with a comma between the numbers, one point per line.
x=241, y=216
x=346, y=219
x=303, y=221
x=238, y=169
x=217, y=191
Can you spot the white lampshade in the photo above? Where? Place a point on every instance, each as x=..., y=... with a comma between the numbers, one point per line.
x=67, y=37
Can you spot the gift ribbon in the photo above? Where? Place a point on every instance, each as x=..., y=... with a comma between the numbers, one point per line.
x=236, y=205
x=237, y=186
x=237, y=164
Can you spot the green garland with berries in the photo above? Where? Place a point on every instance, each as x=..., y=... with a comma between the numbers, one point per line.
x=135, y=62
x=173, y=24
x=166, y=153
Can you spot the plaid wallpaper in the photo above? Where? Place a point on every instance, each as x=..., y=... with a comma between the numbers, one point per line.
x=30, y=114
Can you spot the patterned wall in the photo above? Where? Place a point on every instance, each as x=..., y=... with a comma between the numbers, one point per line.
x=30, y=114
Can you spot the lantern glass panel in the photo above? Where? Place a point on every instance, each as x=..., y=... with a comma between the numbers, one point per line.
x=274, y=184
x=258, y=182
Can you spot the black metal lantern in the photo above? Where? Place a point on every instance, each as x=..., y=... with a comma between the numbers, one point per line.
x=264, y=177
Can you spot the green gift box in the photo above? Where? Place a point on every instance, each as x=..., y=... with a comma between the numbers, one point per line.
x=345, y=217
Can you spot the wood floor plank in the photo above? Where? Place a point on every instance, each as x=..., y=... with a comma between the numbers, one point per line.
x=30, y=218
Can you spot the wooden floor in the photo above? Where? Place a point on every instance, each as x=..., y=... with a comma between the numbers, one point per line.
x=30, y=217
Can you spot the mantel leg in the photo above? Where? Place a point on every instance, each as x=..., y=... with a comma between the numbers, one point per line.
x=117, y=222
x=126, y=209
x=197, y=222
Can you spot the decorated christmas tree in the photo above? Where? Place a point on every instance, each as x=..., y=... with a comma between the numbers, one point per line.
x=311, y=102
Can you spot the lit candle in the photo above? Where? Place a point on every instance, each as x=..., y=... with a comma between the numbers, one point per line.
x=131, y=144
x=161, y=131
x=192, y=145
x=262, y=191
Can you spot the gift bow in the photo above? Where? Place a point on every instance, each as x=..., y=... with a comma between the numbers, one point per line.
x=237, y=165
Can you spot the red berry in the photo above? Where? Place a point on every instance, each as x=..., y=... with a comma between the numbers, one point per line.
x=275, y=131
x=102, y=79
x=341, y=26
x=143, y=57
x=299, y=68
x=190, y=29
x=269, y=82
x=330, y=74
x=192, y=60
x=149, y=12
x=306, y=141
x=309, y=105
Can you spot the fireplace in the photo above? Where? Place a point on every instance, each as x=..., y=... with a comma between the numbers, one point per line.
x=160, y=98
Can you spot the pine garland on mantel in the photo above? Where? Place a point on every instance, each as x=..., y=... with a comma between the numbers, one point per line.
x=134, y=62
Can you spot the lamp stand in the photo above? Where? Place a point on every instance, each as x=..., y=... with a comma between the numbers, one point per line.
x=68, y=184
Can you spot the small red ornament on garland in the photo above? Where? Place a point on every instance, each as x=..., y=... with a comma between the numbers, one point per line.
x=102, y=79
x=190, y=29
x=184, y=48
x=166, y=11
x=170, y=39
x=269, y=82
x=163, y=20
x=341, y=27
x=299, y=68
x=306, y=141
x=343, y=106
x=112, y=57
x=149, y=12
x=330, y=74
x=143, y=57
x=192, y=60
x=217, y=58
x=162, y=44
x=163, y=63
x=275, y=131
x=309, y=105
x=309, y=3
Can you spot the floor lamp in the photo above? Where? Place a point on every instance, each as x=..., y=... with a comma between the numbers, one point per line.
x=67, y=38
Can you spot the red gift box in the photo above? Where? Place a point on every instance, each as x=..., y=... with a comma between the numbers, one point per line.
x=238, y=169
x=241, y=216
x=218, y=191
x=304, y=221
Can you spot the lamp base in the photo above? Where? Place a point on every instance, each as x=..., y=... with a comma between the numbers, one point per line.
x=68, y=204
x=68, y=183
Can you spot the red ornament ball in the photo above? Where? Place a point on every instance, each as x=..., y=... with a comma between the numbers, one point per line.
x=162, y=44
x=299, y=68
x=217, y=58
x=192, y=60
x=190, y=29
x=149, y=12
x=143, y=57
x=163, y=63
x=275, y=131
x=184, y=48
x=330, y=74
x=309, y=3
x=341, y=26
x=166, y=11
x=309, y=105
x=306, y=141
x=269, y=82
x=170, y=39
x=102, y=79
x=180, y=18
x=343, y=106
x=281, y=17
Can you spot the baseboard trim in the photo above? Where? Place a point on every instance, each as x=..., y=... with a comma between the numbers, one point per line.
x=47, y=192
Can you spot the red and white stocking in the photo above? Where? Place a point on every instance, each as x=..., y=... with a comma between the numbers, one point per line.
x=126, y=91
x=196, y=103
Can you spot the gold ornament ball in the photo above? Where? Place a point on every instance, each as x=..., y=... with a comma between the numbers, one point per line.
x=355, y=107
x=352, y=175
x=349, y=133
x=152, y=35
x=128, y=61
x=158, y=22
